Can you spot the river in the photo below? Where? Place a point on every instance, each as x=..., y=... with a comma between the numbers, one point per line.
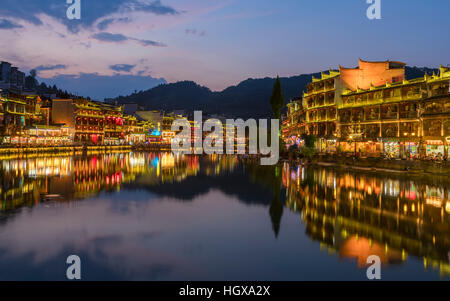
x=154, y=216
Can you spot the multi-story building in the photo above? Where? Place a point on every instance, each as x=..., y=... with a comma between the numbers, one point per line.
x=114, y=124
x=2, y=117
x=294, y=126
x=409, y=118
x=28, y=120
x=25, y=122
x=91, y=122
x=320, y=102
x=135, y=132
x=11, y=77
x=19, y=113
x=373, y=110
x=84, y=118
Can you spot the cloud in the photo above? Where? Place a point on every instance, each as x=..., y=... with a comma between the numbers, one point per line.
x=50, y=67
x=200, y=33
x=150, y=43
x=156, y=7
x=99, y=86
x=122, y=67
x=6, y=24
x=110, y=37
x=119, y=38
x=106, y=22
x=92, y=11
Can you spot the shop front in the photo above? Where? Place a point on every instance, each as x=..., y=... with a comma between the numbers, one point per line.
x=447, y=147
x=391, y=149
x=368, y=149
x=435, y=149
x=410, y=150
x=293, y=140
x=371, y=149
x=328, y=145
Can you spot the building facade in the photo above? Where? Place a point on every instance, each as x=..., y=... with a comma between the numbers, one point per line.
x=26, y=120
x=373, y=111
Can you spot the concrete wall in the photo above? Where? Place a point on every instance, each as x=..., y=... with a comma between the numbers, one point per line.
x=63, y=112
x=370, y=73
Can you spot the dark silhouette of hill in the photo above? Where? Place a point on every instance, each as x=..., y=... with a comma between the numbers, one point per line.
x=185, y=95
x=248, y=99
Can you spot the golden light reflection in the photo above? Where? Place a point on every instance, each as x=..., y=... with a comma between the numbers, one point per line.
x=370, y=210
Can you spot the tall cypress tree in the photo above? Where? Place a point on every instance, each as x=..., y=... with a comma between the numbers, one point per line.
x=277, y=99
x=277, y=103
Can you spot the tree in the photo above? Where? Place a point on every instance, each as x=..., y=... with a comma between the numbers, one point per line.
x=30, y=81
x=277, y=99
x=310, y=140
x=308, y=150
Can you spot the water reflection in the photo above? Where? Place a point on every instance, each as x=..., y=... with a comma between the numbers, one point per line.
x=159, y=216
x=356, y=215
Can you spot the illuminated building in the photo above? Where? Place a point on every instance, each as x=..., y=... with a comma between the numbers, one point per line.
x=166, y=129
x=114, y=129
x=320, y=102
x=294, y=126
x=85, y=119
x=2, y=115
x=373, y=110
x=49, y=135
x=19, y=113
x=407, y=118
x=96, y=123
x=134, y=133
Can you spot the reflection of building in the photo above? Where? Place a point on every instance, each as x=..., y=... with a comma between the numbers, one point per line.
x=379, y=111
x=355, y=214
x=25, y=182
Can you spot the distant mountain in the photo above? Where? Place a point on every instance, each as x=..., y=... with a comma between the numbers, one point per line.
x=250, y=98
x=181, y=95
x=416, y=72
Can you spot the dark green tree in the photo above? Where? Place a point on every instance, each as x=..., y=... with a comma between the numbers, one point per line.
x=30, y=81
x=310, y=140
x=277, y=99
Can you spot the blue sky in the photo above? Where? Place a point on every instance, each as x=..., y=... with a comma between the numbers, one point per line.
x=216, y=43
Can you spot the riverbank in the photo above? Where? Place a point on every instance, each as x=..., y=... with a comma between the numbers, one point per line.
x=27, y=151
x=410, y=168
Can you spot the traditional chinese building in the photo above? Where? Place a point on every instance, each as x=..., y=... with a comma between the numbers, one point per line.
x=135, y=132
x=85, y=119
x=294, y=126
x=20, y=112
x=320, y=102
x=114, y=125
x=373, y=110
x=398, y=119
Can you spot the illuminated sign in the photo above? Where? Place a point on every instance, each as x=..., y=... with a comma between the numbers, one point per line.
x=156, y=133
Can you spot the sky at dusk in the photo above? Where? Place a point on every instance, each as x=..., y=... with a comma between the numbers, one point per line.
x=120, y=46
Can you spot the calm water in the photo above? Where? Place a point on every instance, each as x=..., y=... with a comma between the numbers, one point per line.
x=150, y=216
